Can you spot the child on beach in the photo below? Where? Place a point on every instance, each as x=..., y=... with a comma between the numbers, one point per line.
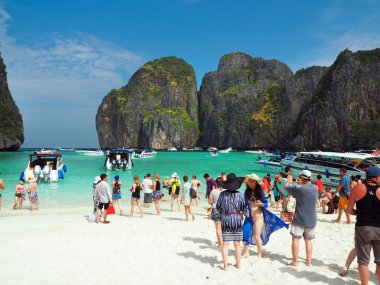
x=19, y=195
x=32, y=191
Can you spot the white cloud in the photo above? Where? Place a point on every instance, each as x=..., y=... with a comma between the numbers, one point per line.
x=61, y=73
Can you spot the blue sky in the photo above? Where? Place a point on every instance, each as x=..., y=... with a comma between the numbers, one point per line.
x=64, y=56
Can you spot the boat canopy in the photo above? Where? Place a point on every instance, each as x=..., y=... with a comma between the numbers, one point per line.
x=346, y=155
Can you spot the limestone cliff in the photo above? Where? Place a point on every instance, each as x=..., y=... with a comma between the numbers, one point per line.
x=157, y=108
x=11, y=125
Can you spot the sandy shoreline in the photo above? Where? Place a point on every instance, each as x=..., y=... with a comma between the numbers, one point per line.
x=61, y=247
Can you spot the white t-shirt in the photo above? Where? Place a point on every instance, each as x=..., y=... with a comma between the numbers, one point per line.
x=148, y=184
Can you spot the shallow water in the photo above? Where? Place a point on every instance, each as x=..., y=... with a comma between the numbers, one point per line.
x=75, y=189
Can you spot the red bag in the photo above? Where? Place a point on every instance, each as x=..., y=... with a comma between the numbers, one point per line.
x=111, y=210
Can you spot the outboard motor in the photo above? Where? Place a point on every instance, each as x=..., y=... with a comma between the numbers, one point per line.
x=37, y=172
x=124, y=164
x=113, y=164
x=118, y=163
x=46, y=173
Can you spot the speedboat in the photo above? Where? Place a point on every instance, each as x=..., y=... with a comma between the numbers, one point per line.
x=97, y=152
x=118, y=159
x=211, y=148
x=45, y=166
x=327, y=164
x=197, y=148
x=226, y=150
x=65, y=149
x=144, y=153
x=255, y=151
x=172, y=149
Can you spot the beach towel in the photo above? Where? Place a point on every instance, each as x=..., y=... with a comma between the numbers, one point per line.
x=272, y=223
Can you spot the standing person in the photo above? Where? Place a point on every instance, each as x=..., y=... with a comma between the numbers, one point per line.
x=344, y=193
x=135, y=199
x=2, y=187
x=103, y=195
x=319, y=184
x=186, y=198
x=33, y=195
x=261, y=223
x=174, y=189
x=305, y=217
x=224, y=176
x=196, y=185
x=215, y=215
x=232, y=207
x=366, y=196
x=268, y=179
x=211, y=184
x=157, y=193
x=281, y=182
x=19, y=195
x=97, y=180
x=116, y=192
x=148, y=191
x=276, y=196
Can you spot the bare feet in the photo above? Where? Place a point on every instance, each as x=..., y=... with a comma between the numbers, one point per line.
x=237, y=266
x=193, y=217
x=336, y=221
x=292, y=264
x=106, y=222
x=343, y=271
x=307, y=263
x=245, y=255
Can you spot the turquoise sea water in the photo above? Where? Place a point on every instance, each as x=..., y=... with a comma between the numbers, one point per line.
x=76, y=189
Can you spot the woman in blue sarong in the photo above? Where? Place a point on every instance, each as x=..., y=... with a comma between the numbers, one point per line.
x=261, y=223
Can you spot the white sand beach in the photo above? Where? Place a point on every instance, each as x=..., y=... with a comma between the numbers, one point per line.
x=62, y=247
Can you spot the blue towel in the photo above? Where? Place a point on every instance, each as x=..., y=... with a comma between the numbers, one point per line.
x=272, y=223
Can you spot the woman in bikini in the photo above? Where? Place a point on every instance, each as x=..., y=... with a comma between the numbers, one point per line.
x=196, y=184
x=19, y=195
x=157, y=193
x=136, y=188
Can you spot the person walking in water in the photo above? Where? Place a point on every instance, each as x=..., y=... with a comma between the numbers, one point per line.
x=186, y=200
x=103, y=195
x=305, y=217
x=19, y=195
x=135, y=199
x=366, y=196
x=157, y=193
x=232, y=207
x=116, y=192
x=2, y=187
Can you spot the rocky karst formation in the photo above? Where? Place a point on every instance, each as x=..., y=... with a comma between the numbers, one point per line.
x=157, y=108
x=11, y=125
x=345, y=109
x=247, y=102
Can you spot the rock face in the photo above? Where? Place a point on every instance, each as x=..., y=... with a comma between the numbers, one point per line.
x=345, y=109
x=11, y=125
x=157, y=108
x=252, y=102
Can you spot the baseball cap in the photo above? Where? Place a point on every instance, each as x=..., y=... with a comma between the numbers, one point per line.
x=306, y=174
x=373, y=171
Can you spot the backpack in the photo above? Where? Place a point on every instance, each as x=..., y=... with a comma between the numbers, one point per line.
x=193, y=193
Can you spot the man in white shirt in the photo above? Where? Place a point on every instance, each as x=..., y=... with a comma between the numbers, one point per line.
x=148, y=190
x=103, y=196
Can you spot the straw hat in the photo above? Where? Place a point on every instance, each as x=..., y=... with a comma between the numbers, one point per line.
x=254, y=177
x=31, y=179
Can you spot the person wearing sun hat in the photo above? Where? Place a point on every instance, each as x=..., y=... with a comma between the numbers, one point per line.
x=96, y=202
x=305, y=216
x=232, y=207
x=261, y=223
x=366, y=196
x=174, y=188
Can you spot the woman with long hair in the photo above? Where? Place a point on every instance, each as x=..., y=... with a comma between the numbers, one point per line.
x=135, y=199
x=261, y=223
x=157, y=193
x=215, y=215
x=116, y=192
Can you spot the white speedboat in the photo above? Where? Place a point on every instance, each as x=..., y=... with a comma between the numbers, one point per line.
x=118, y=159
x=197, y=148
x=327, y=164
x=45, y=166
x=228, y=150
x=172, y=149
x=65, y=149
x=211, y=148
x=97, y=152
x=255, y=151
x=144, y=153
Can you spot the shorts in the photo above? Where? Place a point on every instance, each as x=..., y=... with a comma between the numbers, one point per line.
x=299, y=232
x=135, y=198
x=116, y=196
x=186, y=202
x=365, y=239
x=343, y=202
x=176, y=191
x=276, y=198
x=215, y=215
x=148, y=198
x=103, y=205
x=18, y=195
x=290, y=206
